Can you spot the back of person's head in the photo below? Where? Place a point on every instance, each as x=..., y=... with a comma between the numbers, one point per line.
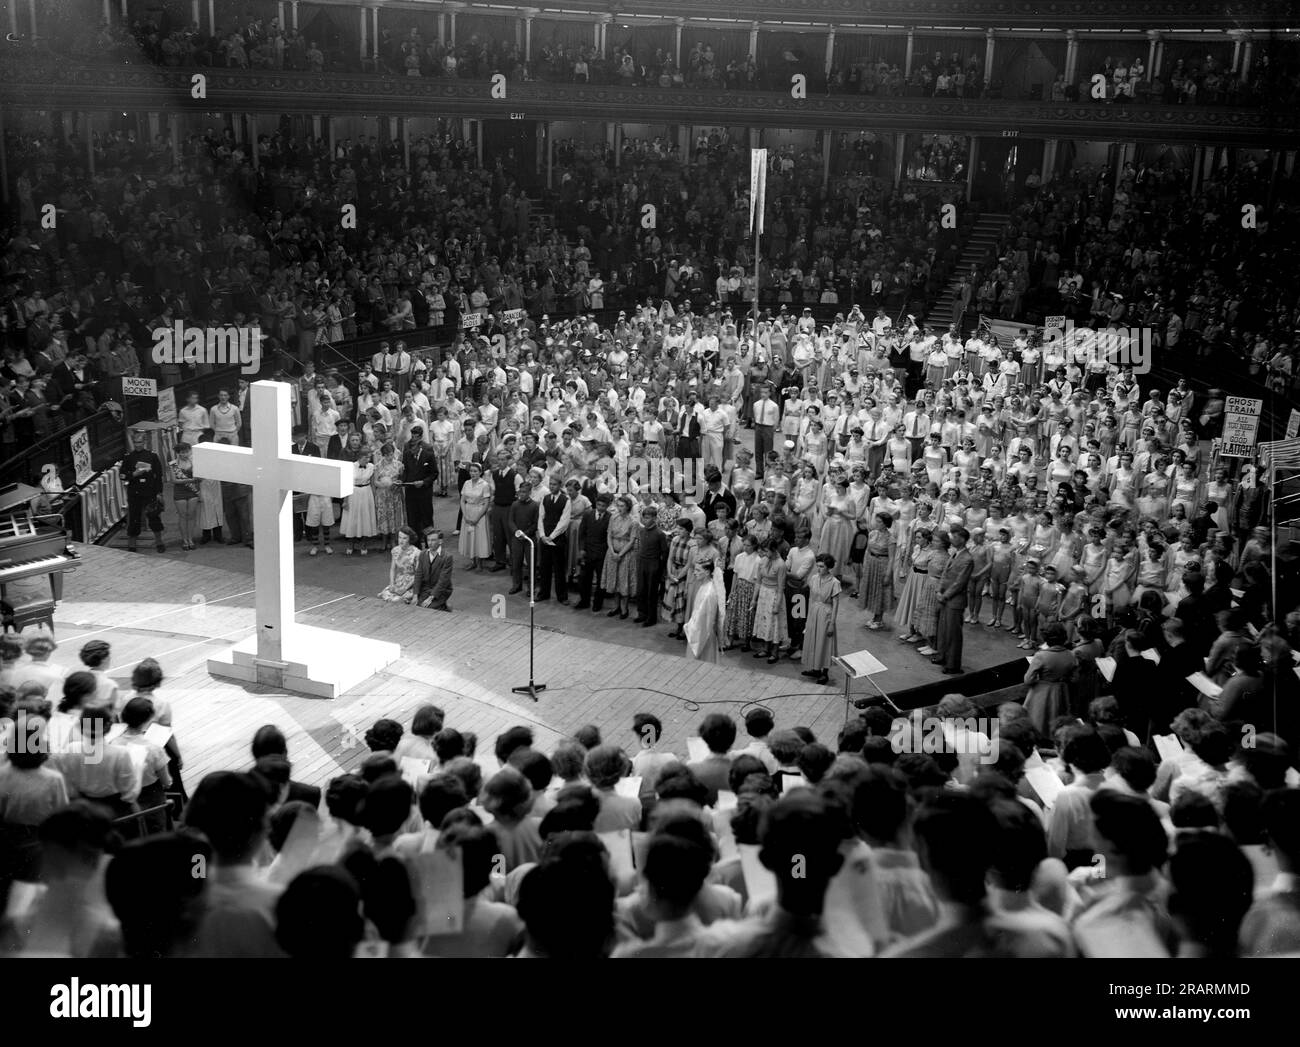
x=1136, y=766
x=798, y=826
x=785, y=746
x=77, y=688
x=1130, y=829
x=448, y=744
x=269, y=741
x=478, y=849
x=1112, y=736
x=852, y=736
x=469, y=773
x=814, y=761
x=442, y=794
x=272, y=772
x=1212, y=887
x=344, y=796
x=387, y=806
x=147, y=676
x=879, y=751
x=427, y=721
x=534, y=766
x=1213, y=744
x=568, y=761
x=605, y=765
x=1104, y=710
x=94, y=653
x=154, y=893
x=576, y=809
x=378, y=765
x=648, y=728
x=676, y=781
x=74, y=839
x=1267, y=761
x=507, y=796
x=1020, y=846
x=718, y=732
x=1282, y=825
x=319, y=915
x=588, y=736
x=509, y=740
x=230, y=809
x=567, y=907
x=741, y=768
x=1086, y=750
x=879, y=721
x=955, y=835
x=674, y=869
x=1193, y=810
x=384, y=735
x=137, y=712
x=759, y=722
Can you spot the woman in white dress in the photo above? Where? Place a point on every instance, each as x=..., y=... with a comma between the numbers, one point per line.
x=475, y=501
x=359, y=518
x=1219, y=491
x=705, y=628
x=442, y=435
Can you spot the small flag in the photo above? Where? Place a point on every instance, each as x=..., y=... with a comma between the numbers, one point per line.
x=757, y=187
x=1284, y=454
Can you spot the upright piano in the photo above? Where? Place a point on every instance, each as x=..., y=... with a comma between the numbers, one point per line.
x=31, y=547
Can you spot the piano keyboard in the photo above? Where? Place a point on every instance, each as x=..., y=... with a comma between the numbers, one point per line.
x=12, y=571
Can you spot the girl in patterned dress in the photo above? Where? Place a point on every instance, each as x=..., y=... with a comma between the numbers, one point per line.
x=877, y=586
x=390, y=502
x=744, y=595
x=769, y=608
x=926, y=566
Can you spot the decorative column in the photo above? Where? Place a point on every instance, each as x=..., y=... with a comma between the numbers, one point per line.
x=1247, y=53
x=684, y=142
x=602, y=44
x=1050, y=148
x=279, y=14
x=404, y=122
x=195, y=16
x=1198, y=164
x=988, y=57
x=330, y=128
x=252, y=139
x=753, y=40
x=365, y=32
x=89, y=125
x=550, y=154
x=900, y=155
x=826, y=158
x=451, y=18
x=315, y=128
x=108, y=11
x=212, y=15
x=830, y=51
x=293, y=12
x=907, y=61
x=1236, y=36
x=971, y=164
x=31, y=12
x=1154, y=36
x=442, y=27
x=374, y=35
x=155, y=126
x=1071, y=55
x=529, y=14
x=174, y=125
x=478, y=141
x=13, y=19
x=677, y=41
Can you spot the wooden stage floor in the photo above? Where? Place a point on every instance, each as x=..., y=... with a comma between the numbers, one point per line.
x=148, y=605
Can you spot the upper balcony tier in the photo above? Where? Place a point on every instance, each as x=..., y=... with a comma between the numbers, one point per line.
x=46, y=85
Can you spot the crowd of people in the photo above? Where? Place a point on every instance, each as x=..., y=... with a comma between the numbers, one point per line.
x=1000, y=841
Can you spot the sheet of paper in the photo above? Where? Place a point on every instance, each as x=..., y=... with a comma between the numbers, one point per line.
x=1205, y=685
x=440, y=890
x=619, y=845
x=863, y=663
x=696, y=749
x=1107, y=668
x=22, y=896
x=158, y=734
x=1168, y=746
x=1045, y=783
x=640, y=841
x=726, y=800
x=1151, y=655
x=413, y=770
x=630, y=787
x=760, y=883
x=792, y=781
x=1035, y=760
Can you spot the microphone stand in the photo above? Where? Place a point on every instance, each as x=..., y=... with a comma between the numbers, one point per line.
x=532, y=689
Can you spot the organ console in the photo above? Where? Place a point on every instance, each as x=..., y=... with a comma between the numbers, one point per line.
x=31, y=546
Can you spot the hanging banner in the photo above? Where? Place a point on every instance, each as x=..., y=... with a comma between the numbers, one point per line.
x=1240, y=426
x=757, y=187
x=167, y=407
x=81, y=455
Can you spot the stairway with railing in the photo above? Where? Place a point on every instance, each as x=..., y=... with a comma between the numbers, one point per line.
x=985, y=234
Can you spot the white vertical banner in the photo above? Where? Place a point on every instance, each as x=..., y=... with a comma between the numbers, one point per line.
x=757, y=187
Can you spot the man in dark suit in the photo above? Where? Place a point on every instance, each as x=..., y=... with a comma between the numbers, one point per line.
x=553, y=544
x=524, y=515
x=301, y=445
x=505, y=482
x=593, y=544
x=419, y=471
x=142, y=472
x=717, y=494
x=72, y=385
x=651, y=558
x=433, y=573
x=953, y=583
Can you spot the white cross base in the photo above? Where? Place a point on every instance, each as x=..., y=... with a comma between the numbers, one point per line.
x=282, y=654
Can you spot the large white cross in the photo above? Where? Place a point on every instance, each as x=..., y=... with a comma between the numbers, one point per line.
x=274, y=474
